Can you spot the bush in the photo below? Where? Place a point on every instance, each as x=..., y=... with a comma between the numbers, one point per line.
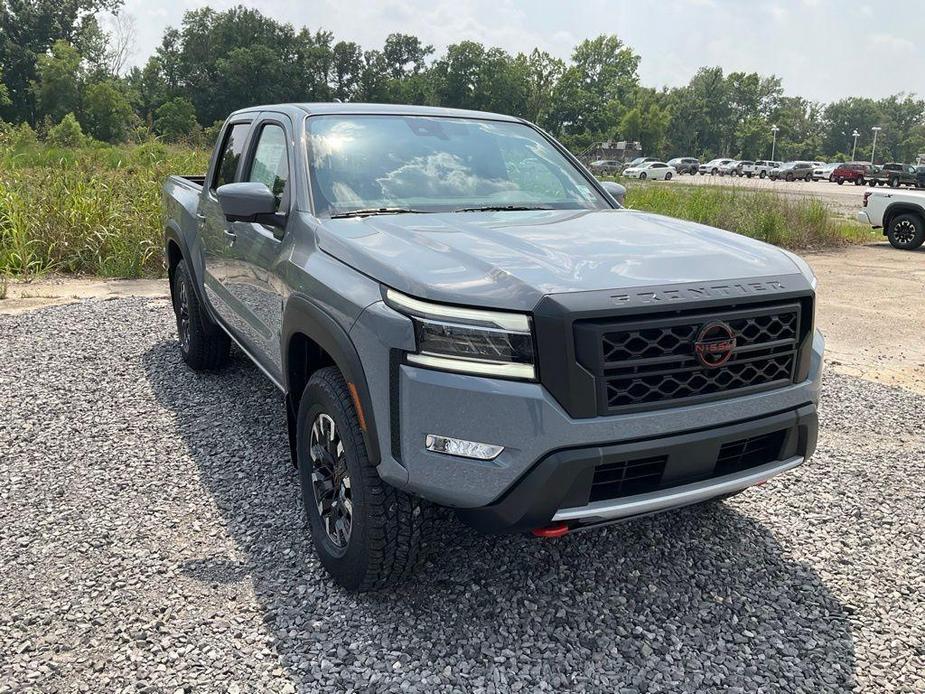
x=67, y=133
x=107, y=112
x=175, y=121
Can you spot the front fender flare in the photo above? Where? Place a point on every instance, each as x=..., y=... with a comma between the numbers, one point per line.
x=302, y=315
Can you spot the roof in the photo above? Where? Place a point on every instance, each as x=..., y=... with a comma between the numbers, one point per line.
x=381, y=109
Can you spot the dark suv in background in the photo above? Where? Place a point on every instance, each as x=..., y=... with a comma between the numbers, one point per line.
x=685, y=165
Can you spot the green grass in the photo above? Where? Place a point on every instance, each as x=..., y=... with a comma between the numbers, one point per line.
x=94, y=210
x=792, y=223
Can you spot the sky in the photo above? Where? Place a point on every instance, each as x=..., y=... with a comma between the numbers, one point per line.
x=822, y=49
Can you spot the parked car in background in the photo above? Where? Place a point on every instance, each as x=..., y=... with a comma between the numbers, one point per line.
x=893, y=174
x=429, y=354
x=764, y=166
x=824, y=172
x=712, y=166
x=729, y=168
x=637, y=162
x=853, y=172
x=685, y=165
x=653, y=170
x=901, y=215
x=606, y=166
x=920, y=177
x=794, y=171
x=745, y=168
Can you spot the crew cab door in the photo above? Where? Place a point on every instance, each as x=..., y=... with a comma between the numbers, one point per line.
x=256, y=289
x=219, y=251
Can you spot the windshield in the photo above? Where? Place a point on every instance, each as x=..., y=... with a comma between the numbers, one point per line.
x=426, y=164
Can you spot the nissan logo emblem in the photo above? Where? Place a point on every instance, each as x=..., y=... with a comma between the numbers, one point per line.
x=715, y=344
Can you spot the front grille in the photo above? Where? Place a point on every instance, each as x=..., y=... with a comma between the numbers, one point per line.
x=736, y=456
x=643, y=363
x=627, y=477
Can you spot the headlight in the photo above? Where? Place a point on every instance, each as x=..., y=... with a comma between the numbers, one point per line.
x=468, y=340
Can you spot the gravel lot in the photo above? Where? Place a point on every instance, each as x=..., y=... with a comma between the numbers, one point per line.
x=151, y=538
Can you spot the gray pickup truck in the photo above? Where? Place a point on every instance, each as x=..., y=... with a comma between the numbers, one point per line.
x=461, y=316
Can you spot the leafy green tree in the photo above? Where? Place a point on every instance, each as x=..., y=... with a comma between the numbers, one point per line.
x=59, y=77
x=176, y=119
x=28, y=29
x=542, y=73
x=107, y=113
x=67, y=133
x=346, y=70
x=404, y=55
x=4, y=92
x=593, y=92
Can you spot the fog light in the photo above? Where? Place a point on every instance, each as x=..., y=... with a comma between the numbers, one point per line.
x=464, y=449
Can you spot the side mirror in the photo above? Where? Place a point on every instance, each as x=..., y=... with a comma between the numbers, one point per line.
x=614, y=190
x=248, y=202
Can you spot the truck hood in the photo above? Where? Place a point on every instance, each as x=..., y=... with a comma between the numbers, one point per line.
x=512, y=259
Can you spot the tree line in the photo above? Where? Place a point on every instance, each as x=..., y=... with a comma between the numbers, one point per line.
x=63, y=76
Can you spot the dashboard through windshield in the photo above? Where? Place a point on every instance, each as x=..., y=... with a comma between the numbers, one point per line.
x=372, y=164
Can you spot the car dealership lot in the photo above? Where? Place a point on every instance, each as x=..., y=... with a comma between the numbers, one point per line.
x=843, y=199
x=151, y=536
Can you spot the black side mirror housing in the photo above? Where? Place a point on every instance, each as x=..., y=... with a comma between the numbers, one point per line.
x=248, y=202
x=614, y=190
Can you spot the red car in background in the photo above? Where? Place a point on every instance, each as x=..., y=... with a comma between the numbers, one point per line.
x=852, y=171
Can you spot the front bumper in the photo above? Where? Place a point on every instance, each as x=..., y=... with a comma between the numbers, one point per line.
x=560, y=488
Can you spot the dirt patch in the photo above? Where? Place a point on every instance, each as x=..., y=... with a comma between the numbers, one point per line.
x=872, y=311
x=52, y=290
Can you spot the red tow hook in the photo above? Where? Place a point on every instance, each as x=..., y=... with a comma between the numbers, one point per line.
x=554, y=530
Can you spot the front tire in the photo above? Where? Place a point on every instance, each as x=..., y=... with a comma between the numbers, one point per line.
x=642, y=176
x=906, y=232
x=668, y=176
x=203, y=344
x=368, y=534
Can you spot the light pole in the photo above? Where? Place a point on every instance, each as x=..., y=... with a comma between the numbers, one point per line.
x=873, y=148
x=854, y=149
x=774, y=130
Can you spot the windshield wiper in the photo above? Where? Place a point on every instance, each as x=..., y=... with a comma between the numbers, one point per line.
x=504, y=208
x=368, y=212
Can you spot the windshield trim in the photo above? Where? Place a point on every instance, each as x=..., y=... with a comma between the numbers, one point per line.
x=581, y=169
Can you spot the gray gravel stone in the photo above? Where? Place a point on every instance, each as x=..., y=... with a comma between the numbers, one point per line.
x=151, y=539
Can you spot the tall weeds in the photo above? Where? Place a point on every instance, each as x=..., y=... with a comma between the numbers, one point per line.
x=93, y=210
x=764, y=215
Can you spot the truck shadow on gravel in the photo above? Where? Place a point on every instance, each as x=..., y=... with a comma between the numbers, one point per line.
x=696, y=599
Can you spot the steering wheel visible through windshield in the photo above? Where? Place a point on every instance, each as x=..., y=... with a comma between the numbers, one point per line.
x=383, y=163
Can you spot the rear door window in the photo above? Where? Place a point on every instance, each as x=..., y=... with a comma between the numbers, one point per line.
x=232, y=148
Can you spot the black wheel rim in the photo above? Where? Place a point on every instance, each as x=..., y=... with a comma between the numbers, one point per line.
x=183, y=318
x=331, y=481
x=904, y=231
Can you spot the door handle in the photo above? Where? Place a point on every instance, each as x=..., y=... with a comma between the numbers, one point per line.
x=230, y=237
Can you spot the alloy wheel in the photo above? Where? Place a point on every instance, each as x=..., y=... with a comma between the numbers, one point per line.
x=904, y=232
x=331, y=480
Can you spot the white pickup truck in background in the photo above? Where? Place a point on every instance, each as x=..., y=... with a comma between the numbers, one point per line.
x=901, y=215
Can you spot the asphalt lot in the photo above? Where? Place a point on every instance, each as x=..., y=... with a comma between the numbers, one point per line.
x=152, y=538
